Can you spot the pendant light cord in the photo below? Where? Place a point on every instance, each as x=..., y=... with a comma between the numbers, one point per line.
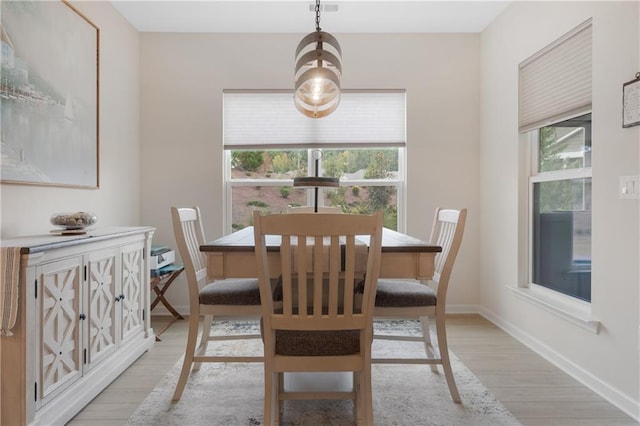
x=318, y=15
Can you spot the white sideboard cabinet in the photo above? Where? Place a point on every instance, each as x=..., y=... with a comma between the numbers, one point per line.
x=83, y=318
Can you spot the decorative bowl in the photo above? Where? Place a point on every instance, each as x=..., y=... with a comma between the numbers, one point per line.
x=72, y=221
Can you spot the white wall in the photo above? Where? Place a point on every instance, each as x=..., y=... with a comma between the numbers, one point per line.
x=607, y=361
x=26, y=209
x=182, y=78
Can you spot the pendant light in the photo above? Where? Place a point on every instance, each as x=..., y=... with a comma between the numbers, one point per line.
x=318, y=72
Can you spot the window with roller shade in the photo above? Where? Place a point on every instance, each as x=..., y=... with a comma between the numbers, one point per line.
x=267, y=143
x=555, y=113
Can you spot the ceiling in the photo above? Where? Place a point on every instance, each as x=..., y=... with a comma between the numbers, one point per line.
x=298, y=16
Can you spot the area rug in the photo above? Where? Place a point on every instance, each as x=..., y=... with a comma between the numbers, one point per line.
x=232, y=393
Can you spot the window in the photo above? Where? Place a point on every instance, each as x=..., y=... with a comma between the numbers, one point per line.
x=560, y=193
x=369, y=181
x=268, y=142
x=555, y=114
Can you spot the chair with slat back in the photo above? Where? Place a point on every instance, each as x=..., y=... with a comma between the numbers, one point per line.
x=315, y=323
x=217, y=300
x=405, y=299
x=310, y=209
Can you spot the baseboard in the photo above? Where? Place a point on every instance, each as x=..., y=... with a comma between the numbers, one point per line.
x=463, y=309
x=614, y=396
x=161, y=311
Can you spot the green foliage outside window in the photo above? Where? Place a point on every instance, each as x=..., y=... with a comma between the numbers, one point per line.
x=247, y=160
x=285, y=191
x=379, y=196
x=336, y=164
x=379, y=164
x=558, y=195
x=551, y=150
x=281, y=163
x=257, y=203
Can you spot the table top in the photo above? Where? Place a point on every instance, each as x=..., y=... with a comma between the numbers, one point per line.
x=392, y=242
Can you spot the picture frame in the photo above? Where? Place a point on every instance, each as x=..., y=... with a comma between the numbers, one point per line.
x=631, y=102
x=49, y=94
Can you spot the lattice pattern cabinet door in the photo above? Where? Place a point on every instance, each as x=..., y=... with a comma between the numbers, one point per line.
x=101, y=305
x=132, y=291
x=60, y=341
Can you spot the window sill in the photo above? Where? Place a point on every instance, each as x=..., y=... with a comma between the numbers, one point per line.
x=565, y=307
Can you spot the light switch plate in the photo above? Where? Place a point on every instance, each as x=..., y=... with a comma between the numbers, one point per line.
x=629, y=187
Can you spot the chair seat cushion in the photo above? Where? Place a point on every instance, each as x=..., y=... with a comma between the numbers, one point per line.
x=317, y=343
x=404, y=294
x=231, y=292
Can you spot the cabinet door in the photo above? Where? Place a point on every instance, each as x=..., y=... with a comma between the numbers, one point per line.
x=100, y=306
x=133, y=280
x=60, y=337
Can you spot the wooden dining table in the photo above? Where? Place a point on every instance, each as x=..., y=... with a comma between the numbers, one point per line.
x=233, y=256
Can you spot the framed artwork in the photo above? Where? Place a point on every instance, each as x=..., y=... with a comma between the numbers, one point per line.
x=631, y=102
x=49, y=90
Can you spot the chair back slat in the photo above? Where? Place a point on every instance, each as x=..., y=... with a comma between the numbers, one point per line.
x=193, y=241
x=301, y=260
x=189, y=235
x=444, y=240
x=448, y=228
x=319, y=270
x=287, y=287
x=318, y=275
x=334, y=276
x=349, y=275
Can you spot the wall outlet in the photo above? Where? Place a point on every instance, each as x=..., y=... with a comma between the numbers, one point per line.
x=629, y=187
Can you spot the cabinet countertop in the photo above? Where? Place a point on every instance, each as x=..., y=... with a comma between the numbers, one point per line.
x=42, y=242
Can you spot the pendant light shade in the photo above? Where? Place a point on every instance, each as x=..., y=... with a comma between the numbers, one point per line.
x=318, y=73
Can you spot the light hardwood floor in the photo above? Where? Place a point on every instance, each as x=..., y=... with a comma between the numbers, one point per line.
x=535, y=391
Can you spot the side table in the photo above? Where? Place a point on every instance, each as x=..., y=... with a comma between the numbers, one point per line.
x=160, y=281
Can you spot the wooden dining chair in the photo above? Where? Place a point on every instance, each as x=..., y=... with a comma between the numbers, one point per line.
x=314, y=324
x=218, y=300
x=404, y=299
x=310, y=209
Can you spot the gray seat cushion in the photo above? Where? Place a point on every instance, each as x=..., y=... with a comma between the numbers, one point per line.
x=231, y=292
x=404, y=294
x=317, y=343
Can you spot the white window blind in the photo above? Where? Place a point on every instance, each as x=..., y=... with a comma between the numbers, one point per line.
x=268, y=119
x=555, y=83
